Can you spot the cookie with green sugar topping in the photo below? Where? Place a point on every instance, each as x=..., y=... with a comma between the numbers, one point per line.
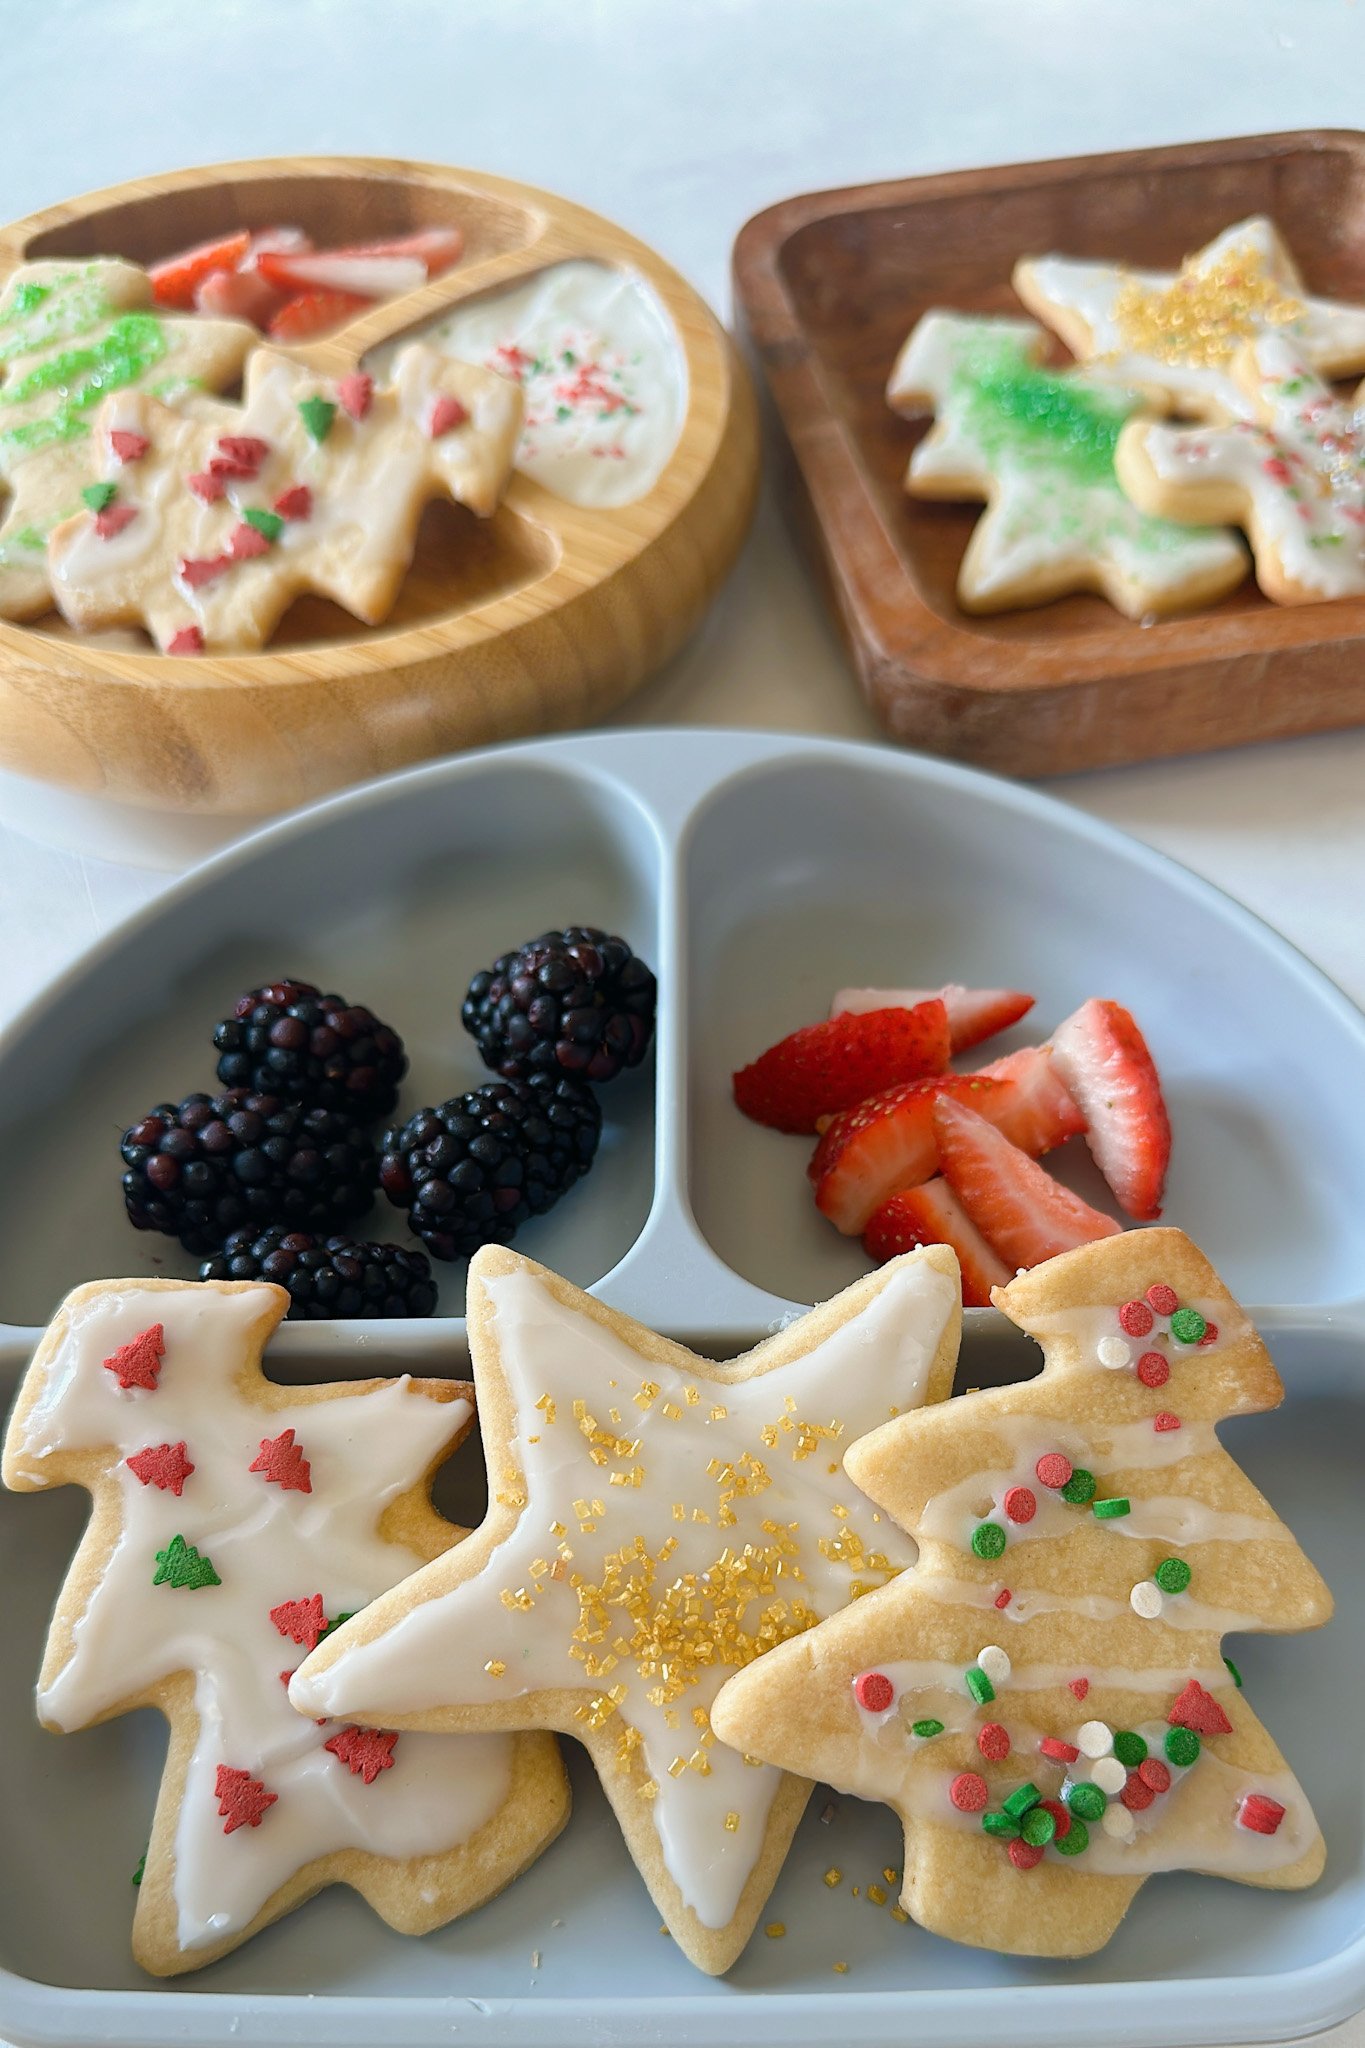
x=72, y=335
x=1037, y=444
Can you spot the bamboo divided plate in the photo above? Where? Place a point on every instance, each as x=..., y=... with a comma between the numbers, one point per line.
x=543, y=617
x=829, y=285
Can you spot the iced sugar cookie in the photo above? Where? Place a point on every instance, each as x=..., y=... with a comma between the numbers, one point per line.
x=1176, y=333
x=1044, y=1700
x=657, y=1522
x=205, y=527
x=234, y=1523
x=1038, y=445
x=1292, y=473
x=70, y=333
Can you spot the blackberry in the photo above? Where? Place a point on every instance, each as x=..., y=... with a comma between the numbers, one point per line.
x=290, y=1040
x=571, y=1002
x=209, y=1165
x=328, y=1277
x=471, y=1171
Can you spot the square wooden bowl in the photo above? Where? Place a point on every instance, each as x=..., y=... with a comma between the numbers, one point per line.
x=827, y=287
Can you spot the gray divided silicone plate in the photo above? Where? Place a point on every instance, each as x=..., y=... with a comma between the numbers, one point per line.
x=758, y=873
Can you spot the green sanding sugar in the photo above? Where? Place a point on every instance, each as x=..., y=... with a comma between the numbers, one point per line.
x=1014, y=403
x=80, y=377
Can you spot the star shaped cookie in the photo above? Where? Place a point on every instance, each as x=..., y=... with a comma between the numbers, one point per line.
x=1038, y=445
x=234, y=1522
x=656, y=1523
x=71, y=333
x=1175, y=334
x=206, y=525
x=1044, y=1699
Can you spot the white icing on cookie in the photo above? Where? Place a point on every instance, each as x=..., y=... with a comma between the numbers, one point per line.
x=268, y=1544
x=637, y=1474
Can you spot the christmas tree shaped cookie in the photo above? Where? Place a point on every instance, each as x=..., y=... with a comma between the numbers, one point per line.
x=1044, y=1700
x=657, y=1522
x=206, y=524
x=70, y=334
x=234, y=1523
x=1038, y=445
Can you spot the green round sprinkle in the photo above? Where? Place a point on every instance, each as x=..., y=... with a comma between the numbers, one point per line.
x=1021, y=1799
x=1080, y=1487
x=1110, y=1510
x=1173, y=1575
x=925, y=1729
x=1187, y=1325
x=999, y=1824
x=988, y=1539
x=99, y=497
x=317, y=415
x=1087, y=1801
x=1075, y=1841
x=270, y=524
x=1182, y=1746
x=1038, y=1827
x=1130, y=1749
x=1236, y=1674
x=979, y=1686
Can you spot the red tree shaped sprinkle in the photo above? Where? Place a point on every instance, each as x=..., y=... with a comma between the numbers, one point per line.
x=139, y=1364
x=303, y=1621
x=242, y=1799
x=365, y=1751
x=163, y=1465
x=281, y=1460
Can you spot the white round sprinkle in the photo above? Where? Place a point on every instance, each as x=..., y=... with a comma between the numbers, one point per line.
x=995, y=1663
x=1146, y=1599
x=1096, y=1738
x=1114, y=1353
x=1118, y=1822
x=1109, y=1775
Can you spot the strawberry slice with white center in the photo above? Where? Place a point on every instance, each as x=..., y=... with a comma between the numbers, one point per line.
x=1103, y=1059
x=176, y=279
x=436, y=248
x=1021, y=1211
x=932, y=1214
x=328, y=270
x=887, y=1143
x=833, y=1065
x=973, y=1013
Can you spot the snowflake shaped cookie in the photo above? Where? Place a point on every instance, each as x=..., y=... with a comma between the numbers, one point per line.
x=1038, y=445
x=657, y=1522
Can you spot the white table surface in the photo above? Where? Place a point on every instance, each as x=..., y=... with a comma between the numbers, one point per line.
x=680, y=118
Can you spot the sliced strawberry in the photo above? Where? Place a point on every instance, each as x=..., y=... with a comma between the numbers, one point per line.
x=436, y=248
x=932, y=1214
x=327, y=270
x=973, y=1013
x=1042, y=1114
x=279, y=240
x=178, y=277
x=1021, y=1211
x=238, y=295
x=887, y=1144
x=310, y=313
x=1103, y=1059
x=828, y=1067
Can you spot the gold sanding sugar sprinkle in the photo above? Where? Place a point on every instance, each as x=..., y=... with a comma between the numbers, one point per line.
x=834, y=1878
x=545, y=1406
x=691, y=1396
x=672, y=1411
x=677, y=1767
x=513, y=1494
x=892, y=1876
x=648, y=1394
x=1202, y=315
x=520, y=1600
x=841, y=1969
x=899, y=1913
x=719, y=1414
x=649, y=1790
x=495, y=1667
x=732, y=1823
x=775, y=1929
x=810, y=1435
x=876, y=1895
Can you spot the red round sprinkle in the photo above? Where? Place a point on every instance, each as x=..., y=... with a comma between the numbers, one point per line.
x=1136, y=1318
x=1155, y=1774
x=1137, y=1794
x=1021, y=1503
x=1003, y=1598
x=1165, y=1420
x=1152, y=1369
x=1023, y=1855
x=1210, y=1336
x=994, y=1743
x=1163, y=1299
x=1060, y=1814
x=969, y=1792
x=1260, y=1814
x=1053, y=1469
x=1080, y=1686
x=188, y=640
x=874, y=1691
x=1061, y=1752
